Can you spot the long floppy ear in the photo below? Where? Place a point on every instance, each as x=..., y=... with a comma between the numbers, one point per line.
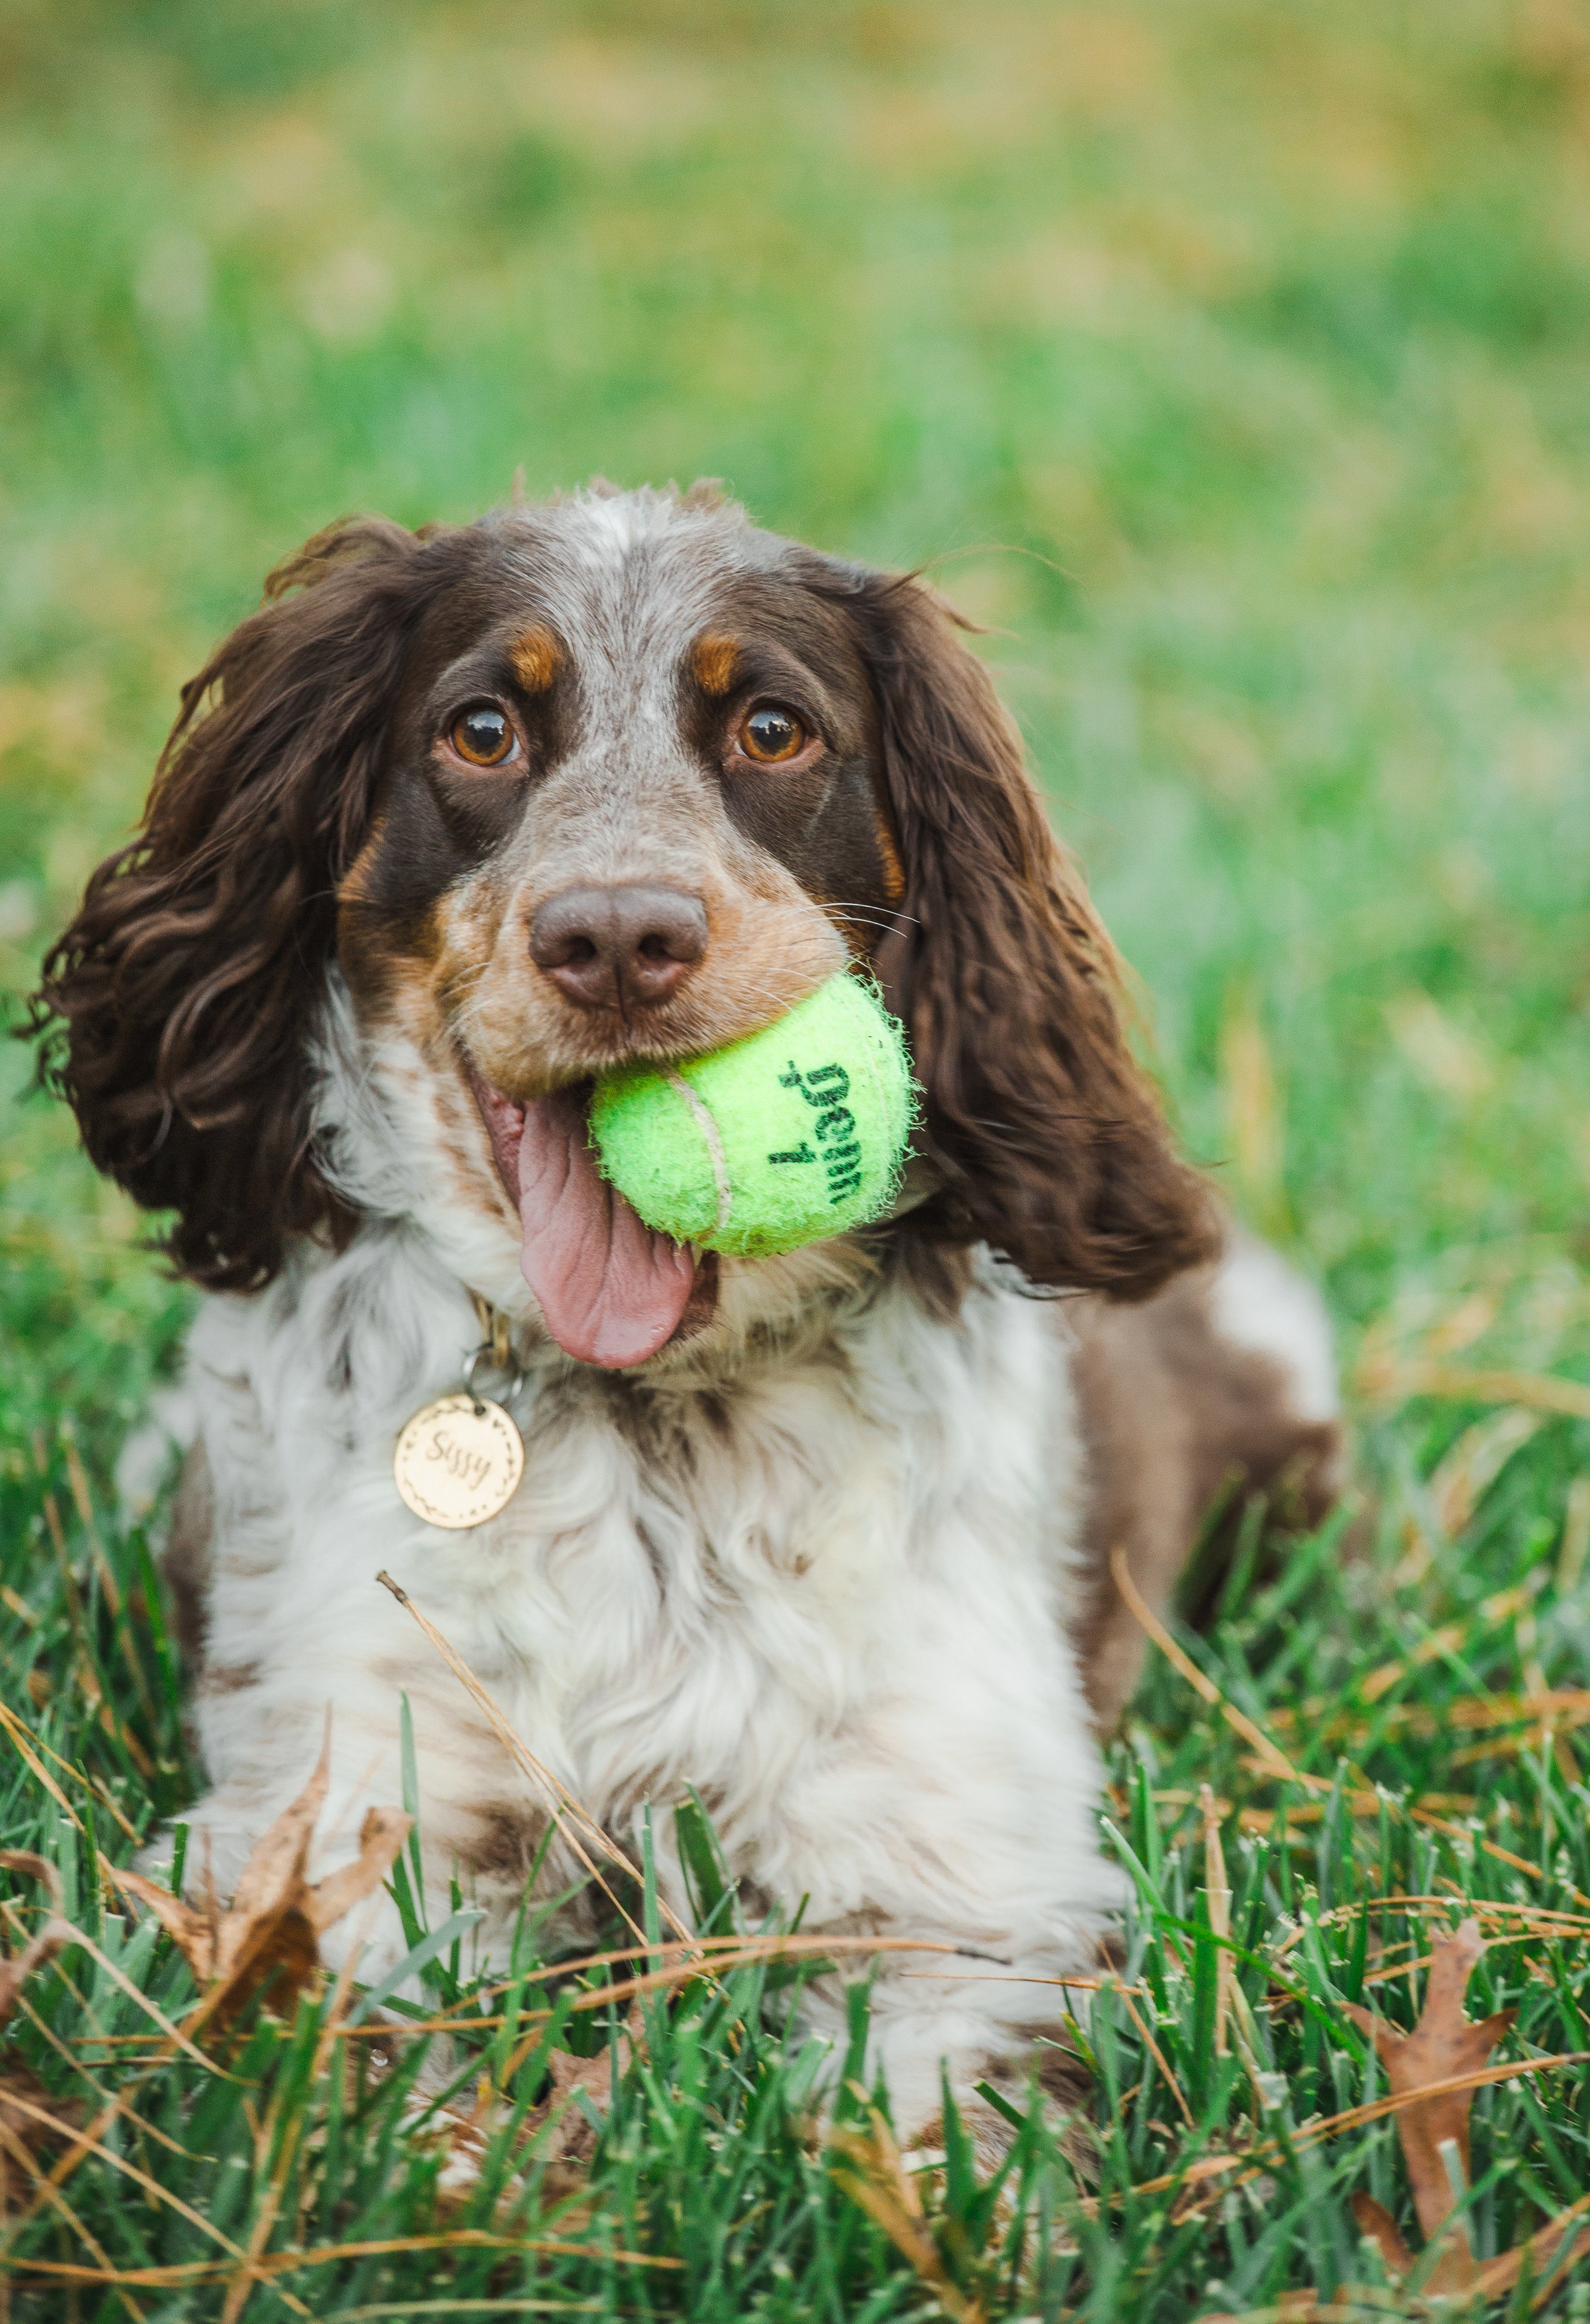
x=177, y=1006
x=1049, y=1138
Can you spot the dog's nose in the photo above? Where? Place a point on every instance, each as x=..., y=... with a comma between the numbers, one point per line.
x=618, y=947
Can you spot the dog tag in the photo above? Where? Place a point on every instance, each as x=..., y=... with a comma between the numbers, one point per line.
x=458, y=1461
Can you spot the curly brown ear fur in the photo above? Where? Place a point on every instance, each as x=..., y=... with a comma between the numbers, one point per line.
x=1049, y=1137
x=176, y=1003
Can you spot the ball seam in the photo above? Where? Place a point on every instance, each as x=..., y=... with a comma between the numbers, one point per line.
x=707, y=1126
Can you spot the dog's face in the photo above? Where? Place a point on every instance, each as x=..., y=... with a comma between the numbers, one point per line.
x=630, y=809
x=618, y=777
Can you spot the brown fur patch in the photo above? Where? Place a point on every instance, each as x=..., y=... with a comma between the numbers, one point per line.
x=189, y=1554
x=504, y=1843
x=264, y=791
x=938, y=1273
x=713, y=662
x=534, y=657
x=1181, y=1422
x=229, y=1678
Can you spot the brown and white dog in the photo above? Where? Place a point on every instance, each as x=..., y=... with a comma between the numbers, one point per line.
x=457, y=819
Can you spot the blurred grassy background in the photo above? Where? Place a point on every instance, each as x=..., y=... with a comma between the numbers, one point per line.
x=1227, y=356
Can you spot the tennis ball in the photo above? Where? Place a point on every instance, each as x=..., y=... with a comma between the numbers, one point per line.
x=792, y=1133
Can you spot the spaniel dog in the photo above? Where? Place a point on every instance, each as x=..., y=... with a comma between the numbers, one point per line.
x=458, y=820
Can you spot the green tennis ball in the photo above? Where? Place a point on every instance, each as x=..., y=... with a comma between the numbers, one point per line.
x=793, y=1133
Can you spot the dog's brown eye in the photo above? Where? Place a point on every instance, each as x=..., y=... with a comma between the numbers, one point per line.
x=771, y=733
x=484, y=736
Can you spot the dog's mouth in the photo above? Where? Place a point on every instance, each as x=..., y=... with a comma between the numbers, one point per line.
x=611, y=1289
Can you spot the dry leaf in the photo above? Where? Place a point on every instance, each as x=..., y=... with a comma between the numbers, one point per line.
x=1442, y=2045
x=558, y=2128
x=46, y=1942
x=22, y=2132
x=1375, y=2220
x=1549, y=2253
x=572, y=2139
x=267, y=1938
x=30, y=2121
x=381, y=1835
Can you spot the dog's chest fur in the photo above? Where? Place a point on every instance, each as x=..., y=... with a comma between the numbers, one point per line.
x=778, y=1586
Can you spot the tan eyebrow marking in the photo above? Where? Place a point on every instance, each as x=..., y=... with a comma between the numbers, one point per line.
x=534, y=657
x=713, y=661
x=893, y=871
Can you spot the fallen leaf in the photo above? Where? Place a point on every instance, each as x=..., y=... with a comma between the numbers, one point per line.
x=1374, y=2219
x=1549, y=2253
x=266, y=1940
x=558, y=2128
x=46, y=1942
x=1443, y=2044
x=381, y=1835
x=23, y=2133
x=570, y=2139
x=32, y=2119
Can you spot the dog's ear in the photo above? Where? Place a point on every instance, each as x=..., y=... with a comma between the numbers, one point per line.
x=1049, y=1138
x=178, y=1006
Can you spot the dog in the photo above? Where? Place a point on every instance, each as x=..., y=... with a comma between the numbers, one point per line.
x=458, y=819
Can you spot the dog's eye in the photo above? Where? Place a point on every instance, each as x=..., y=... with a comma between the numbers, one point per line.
x=770, y=732
x=484, y=736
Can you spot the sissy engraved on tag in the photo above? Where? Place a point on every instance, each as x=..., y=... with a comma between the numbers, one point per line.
x=459, y=1460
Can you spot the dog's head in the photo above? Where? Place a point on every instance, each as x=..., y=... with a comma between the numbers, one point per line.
x=618, y=776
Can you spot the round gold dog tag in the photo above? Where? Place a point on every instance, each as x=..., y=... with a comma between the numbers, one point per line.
x=458, y=1461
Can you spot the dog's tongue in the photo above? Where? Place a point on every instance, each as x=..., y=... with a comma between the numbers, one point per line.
x=611, y=1290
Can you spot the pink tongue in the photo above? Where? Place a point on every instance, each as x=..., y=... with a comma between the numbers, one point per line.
x=611, y=1290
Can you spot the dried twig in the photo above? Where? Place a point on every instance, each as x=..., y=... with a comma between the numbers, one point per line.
x=1274, y=1758
x=1390, y=1382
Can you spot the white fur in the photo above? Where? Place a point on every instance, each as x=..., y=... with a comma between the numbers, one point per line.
x=147, y=1455
x=816, y=1568
x=1261, y=1303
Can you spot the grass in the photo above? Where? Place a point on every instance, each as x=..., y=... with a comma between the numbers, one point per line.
x=1228, y=360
